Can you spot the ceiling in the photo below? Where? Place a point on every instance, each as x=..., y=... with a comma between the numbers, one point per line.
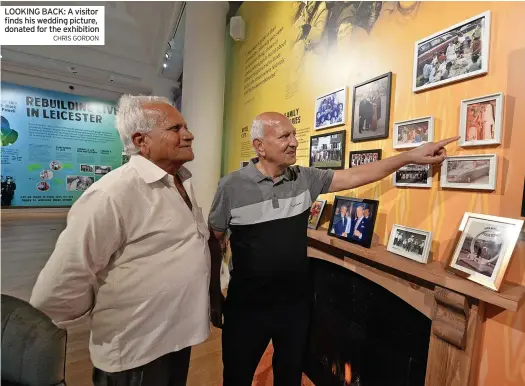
x=136, y=41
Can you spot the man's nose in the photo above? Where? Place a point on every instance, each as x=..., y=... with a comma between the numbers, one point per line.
x=187, y=135
x=294, y=142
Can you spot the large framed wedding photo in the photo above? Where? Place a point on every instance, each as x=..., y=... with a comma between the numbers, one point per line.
x=413, y=132
x=353, y=220
x=476, y=172
x=481, y=120
x=330, y=109
x=456, y=53
x=485, y=247
x=316, y=211
x=327, y=151
x=411, y=243
x=371, y=109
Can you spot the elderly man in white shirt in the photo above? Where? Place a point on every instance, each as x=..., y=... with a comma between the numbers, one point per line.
x=134, y=256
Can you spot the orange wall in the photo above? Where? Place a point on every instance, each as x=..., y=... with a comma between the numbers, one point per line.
x=389, y=47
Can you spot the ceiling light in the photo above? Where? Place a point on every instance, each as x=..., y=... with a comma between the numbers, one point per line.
x=164, y=65
x=166, y=55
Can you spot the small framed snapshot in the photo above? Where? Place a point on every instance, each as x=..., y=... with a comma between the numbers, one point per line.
x=330, y=109
x=412, y=175
x=410, y=242
x=413, y=133
x=476, y=172
x=456, y=53
x=485, y=247
x=481, y=120
x=327, y=151
x=371, y=109
x=362, y=157
x=316, y=211
x=353, y=220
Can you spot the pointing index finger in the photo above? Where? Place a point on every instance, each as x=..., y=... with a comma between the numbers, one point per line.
x=446, y=141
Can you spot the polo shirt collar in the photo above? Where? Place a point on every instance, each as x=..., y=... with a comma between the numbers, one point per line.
x=257, y=176
x=150, y=172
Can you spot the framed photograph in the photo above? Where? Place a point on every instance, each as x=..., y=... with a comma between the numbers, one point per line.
x=327, y=151
x=470, y=172
x=244, y=164
x=413, y=133
x=371, y=109
x=316, y=211
x=453, y=54
x=481, y=120
x=523, y=202
x=353, y=220
x=330, y=109
x=410, y=242
x=485, y=247
x=416, y=176
x=363, y=157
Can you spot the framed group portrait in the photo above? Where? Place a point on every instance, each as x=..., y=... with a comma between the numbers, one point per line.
x=371, y=109
x=413, y=132
x=485, y=247
x=456, y=53
x=411, y=243
x=415, y=176
x=327, y=151
x=477, y=172
x=353, y=220
x=316, y=211
x=330, y=109
x=481, y=120
x=363, y=157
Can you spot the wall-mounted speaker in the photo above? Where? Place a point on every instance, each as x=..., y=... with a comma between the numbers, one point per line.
x=237, y=28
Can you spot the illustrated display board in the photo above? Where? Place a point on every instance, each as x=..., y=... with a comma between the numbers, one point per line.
x=54, y=145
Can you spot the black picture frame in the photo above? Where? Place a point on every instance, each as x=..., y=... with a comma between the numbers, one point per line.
x=523, y=201
x=343, y=146
x=373, y=206
x=386, y=132
x=379, y=152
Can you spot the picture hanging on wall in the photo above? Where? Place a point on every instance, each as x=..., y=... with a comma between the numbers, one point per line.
x=411, y=243
x=244, y=164
x=523, y=202
x=330, y=109
x=413, y=132
x=362, y=157
x=415, y=176
x=470, y=172
x=371, y=109
x=316, y=211
x=481, y=120
x=353, y=220
x=485, y=247
x=453, y=54
x=327, y=151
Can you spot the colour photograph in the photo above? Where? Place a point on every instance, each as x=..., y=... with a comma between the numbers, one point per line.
x=330, y=109
x=43, y=186
x=316, y=211
x=363, y=157
x=327, y=151
x=371, y=109
x=411, y=243
x=469, y=172
x=413, y=133
x=456, y=53
x=418, y=176
x=46, y=175
x=481, y=120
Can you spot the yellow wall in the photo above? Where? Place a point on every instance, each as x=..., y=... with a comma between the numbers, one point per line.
x=389, y=46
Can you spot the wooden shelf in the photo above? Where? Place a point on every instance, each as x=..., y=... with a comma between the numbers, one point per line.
x=509, y=297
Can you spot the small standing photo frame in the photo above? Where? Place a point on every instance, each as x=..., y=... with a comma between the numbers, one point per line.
x=476, y=172
x=411, y=243
x=485, y=247
x=413, y=132
x=481, y=120
x=316, y=211
x=330, y=109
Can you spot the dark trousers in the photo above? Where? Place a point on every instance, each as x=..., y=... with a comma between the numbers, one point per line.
x=247, y=332
x=168, y=370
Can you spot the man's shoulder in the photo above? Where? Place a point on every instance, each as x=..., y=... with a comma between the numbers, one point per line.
x=240, y=176
x=117, y=184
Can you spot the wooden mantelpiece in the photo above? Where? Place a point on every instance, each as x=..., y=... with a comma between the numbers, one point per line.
x=455, y=305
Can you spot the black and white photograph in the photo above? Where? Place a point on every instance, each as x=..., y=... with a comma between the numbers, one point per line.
x=327, y=151
x=353, y=220
x=87, y=168
x=102, y=169
x=417, y=176
x=456, y=53
x=330, y=109
x=78, y=183
x=363, y=157
x=485, y=247
x=371, y=109
x=413, y=132
x=411, y=243
x=476, y=172
x=481, y=120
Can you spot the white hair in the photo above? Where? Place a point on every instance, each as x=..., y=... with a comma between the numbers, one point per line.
x=133, y=118
x=257, y=129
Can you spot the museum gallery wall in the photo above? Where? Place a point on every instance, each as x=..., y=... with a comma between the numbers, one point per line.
x=298, y=54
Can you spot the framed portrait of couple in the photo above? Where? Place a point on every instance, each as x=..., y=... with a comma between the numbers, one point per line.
x=353, y=220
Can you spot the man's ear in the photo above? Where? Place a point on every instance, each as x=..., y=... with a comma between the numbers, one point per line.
x=258, y=146
x=139, y=140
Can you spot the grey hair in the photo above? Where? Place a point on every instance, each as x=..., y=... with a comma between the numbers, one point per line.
x=133, y=118
x=257, y=129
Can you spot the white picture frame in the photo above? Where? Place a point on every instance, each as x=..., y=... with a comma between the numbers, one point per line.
x=399, y=242
x=406, y=125
x=471, y=176
x=339, y=96
x=439, y=42
x=397, y=176
x=495, y=115
x=313, y=221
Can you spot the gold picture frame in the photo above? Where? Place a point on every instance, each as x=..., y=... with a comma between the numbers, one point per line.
x=485, y=247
